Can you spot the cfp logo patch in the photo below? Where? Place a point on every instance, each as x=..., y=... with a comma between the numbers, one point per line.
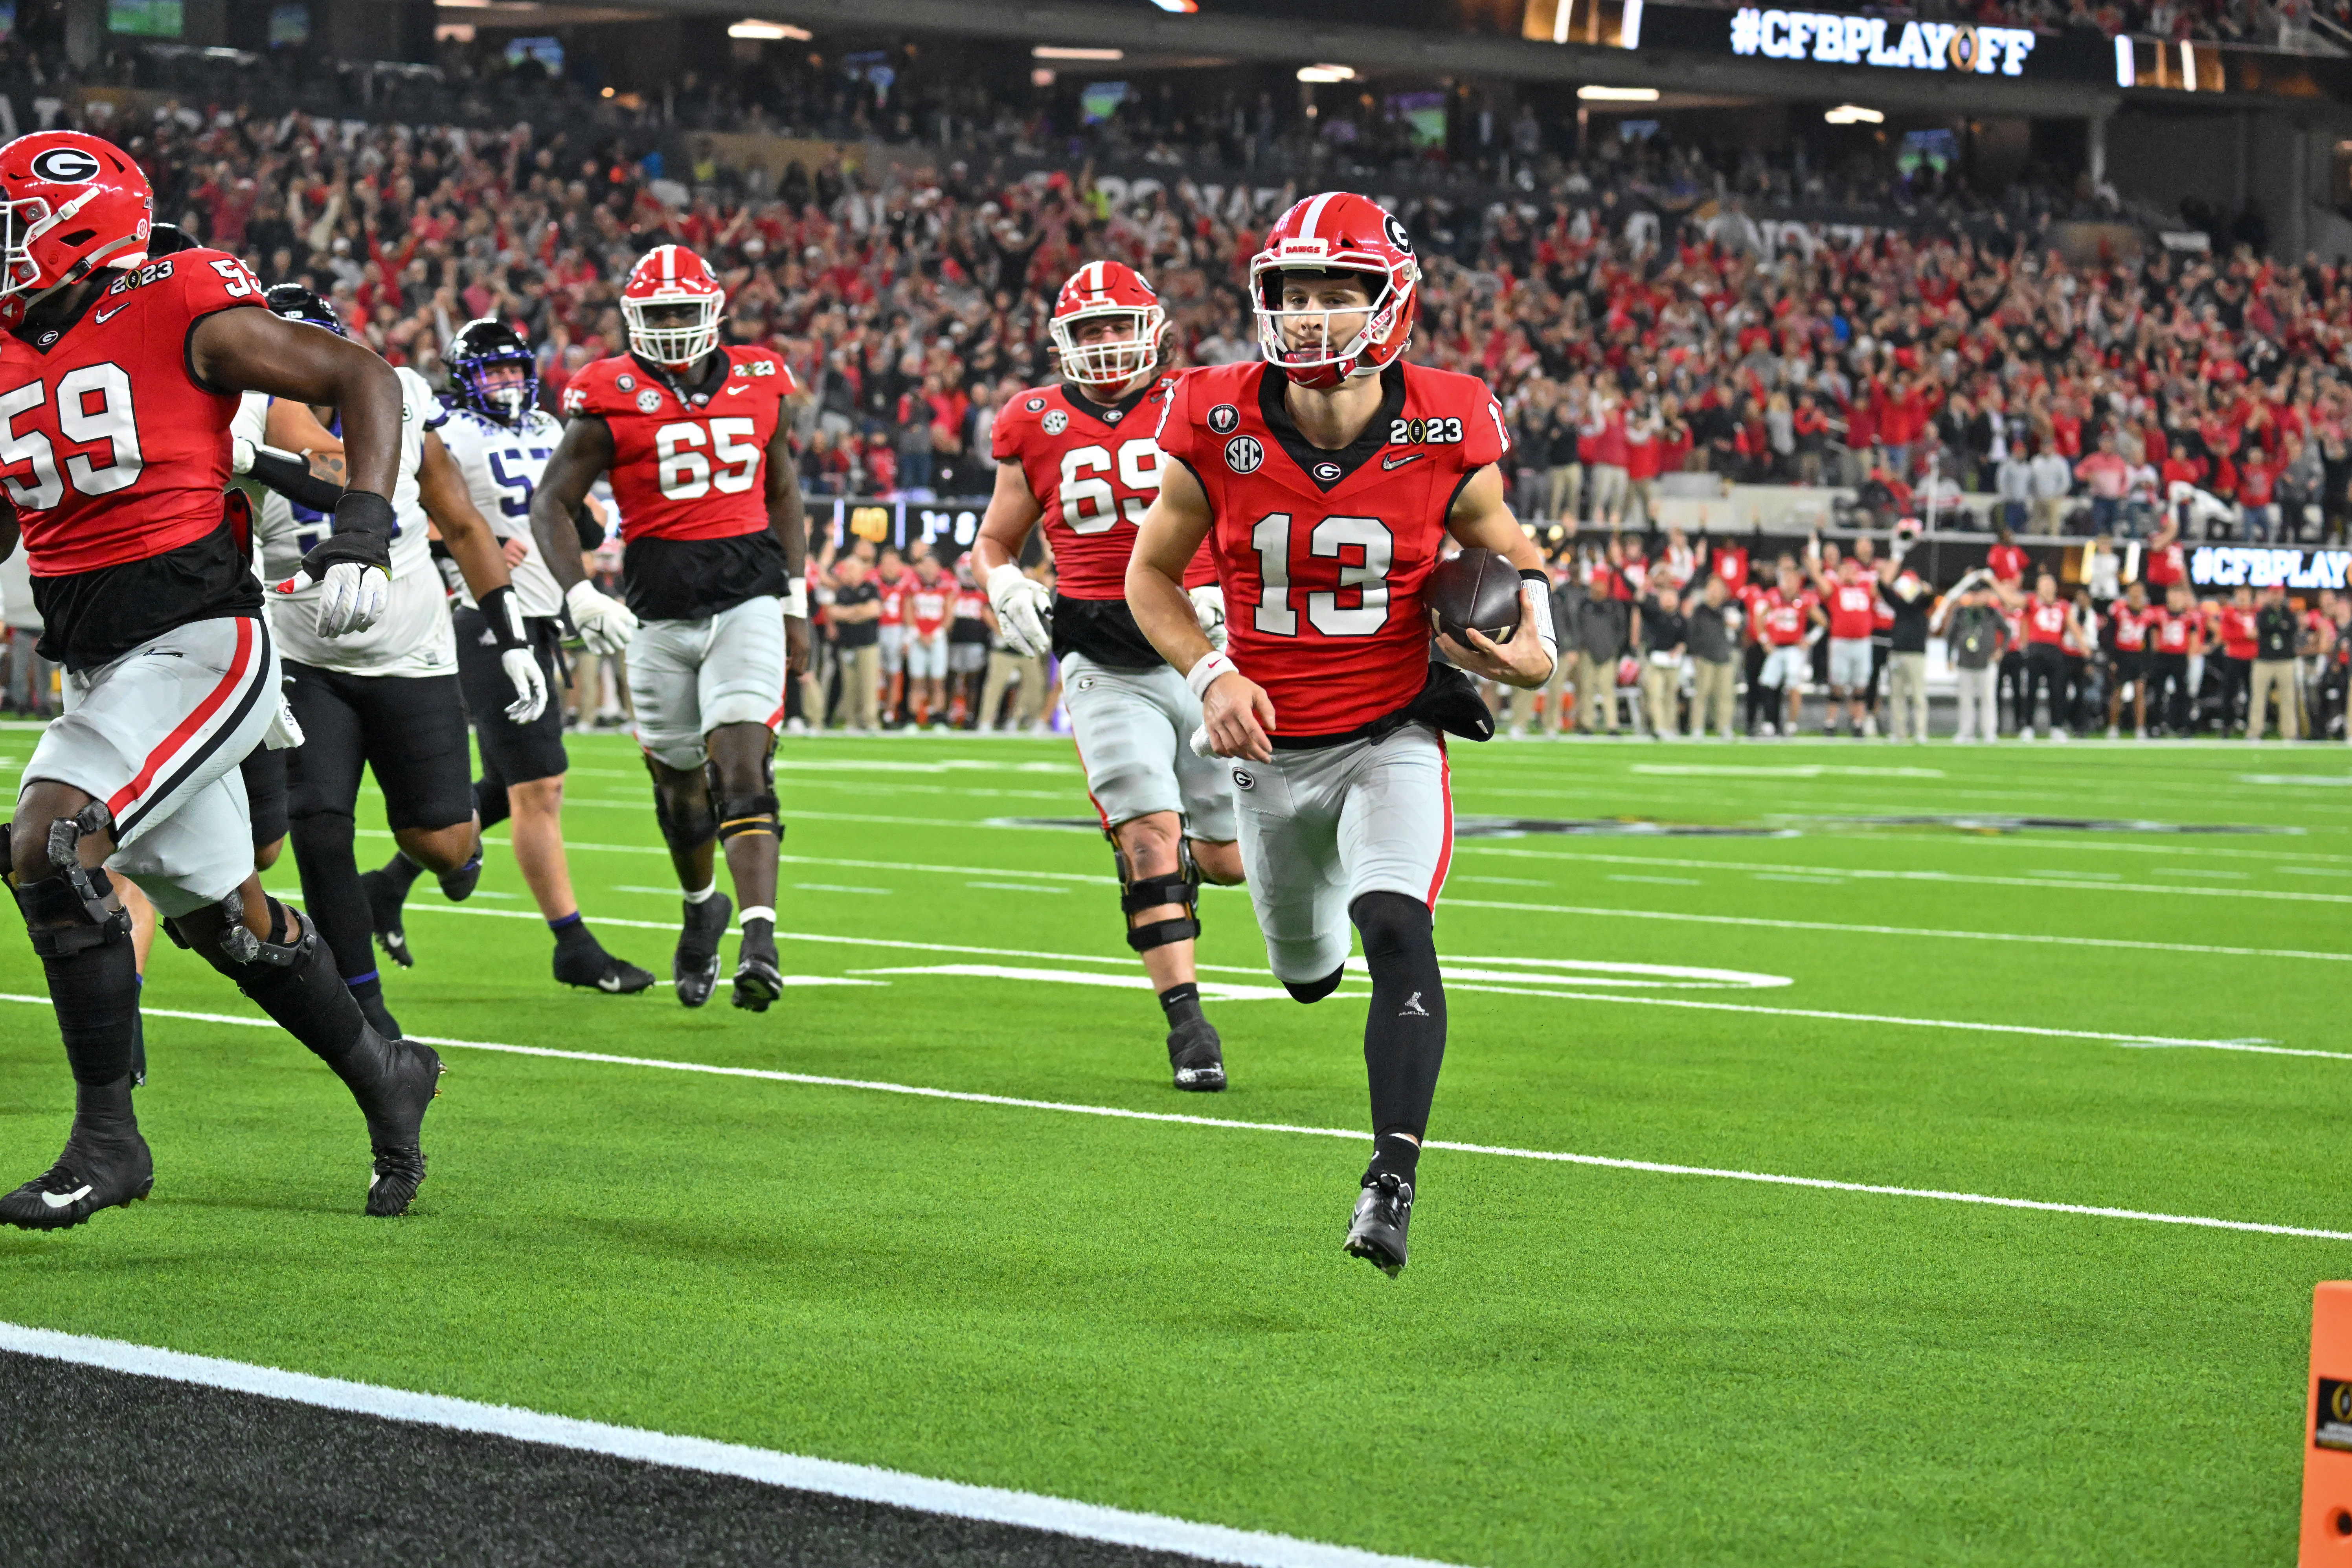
x=1225, y=418
x=625, y=382
x=1244, y=779
x=66, y=166
x=649, y=400
x=1242, y=454
x=1055, y=423
x=1034, y=404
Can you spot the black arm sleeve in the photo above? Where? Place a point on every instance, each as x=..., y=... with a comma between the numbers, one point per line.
x=583, y=522
x=292, y=478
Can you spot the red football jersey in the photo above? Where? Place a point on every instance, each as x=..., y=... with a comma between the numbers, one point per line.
x=1323, y=554
x=109, y=447
x=2236, y=632
x=2131, y=627
x=2166, y=566
x=687, y=470
x=1781, y=618
x=894, y=598
x=2176, y=633
x=1095, y=469
x=927, y=605
x=2045, y=623
x=1851, y=606
x=2008, y=563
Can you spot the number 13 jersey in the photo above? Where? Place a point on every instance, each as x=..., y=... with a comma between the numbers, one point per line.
x=689, y=479
x=1323, y=554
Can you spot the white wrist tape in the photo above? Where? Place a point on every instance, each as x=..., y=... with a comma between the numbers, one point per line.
x=797, y=599
x=1539, y=602
x=1211, y=665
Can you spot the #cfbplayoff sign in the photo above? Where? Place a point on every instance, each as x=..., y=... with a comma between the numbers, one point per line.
x=2234, y=566
x=1865, y=41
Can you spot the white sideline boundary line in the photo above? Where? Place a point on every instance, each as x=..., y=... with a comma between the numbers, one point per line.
x=2173, y=1042
x=831, y=1478
x=1122, y=1113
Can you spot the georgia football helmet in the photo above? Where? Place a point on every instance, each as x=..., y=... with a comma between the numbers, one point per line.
x=1335, y=232
x=1107, y=290
x=667, y=276
x=485, y=345
x=69, y=202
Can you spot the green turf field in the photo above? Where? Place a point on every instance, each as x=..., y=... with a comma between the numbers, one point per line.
x=1586, y=1362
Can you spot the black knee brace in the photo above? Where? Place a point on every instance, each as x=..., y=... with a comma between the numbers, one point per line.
x=290, y=974
x=741, y=814
x=66, y=912
x=689, y=832
x=1181, y=886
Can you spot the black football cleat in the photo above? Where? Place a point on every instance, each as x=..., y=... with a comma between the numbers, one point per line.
x=460, y=885
x=404, y=1080
x=758, y=973
x=105, y=1165
x=590, y=967
x=1197, y=1057
x=695, y=965
x=1376, y=1234
x=384, y=902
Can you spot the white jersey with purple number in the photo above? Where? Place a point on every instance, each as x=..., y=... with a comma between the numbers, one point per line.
x=502, y=464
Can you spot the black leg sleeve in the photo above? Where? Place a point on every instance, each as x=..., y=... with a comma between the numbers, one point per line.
x=332, y=894
x=1404, y=1026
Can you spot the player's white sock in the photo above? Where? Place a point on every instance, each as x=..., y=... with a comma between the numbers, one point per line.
x=704, y=896
x=758, y=912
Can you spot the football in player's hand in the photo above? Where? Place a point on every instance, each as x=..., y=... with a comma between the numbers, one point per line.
x=1476, y=588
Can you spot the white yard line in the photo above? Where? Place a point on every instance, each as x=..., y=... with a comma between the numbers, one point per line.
x=1122, y=1113
x=864, y=1483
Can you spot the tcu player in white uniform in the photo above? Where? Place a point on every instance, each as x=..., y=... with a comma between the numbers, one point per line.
x=501, y=439
x=386, y=699
x=1079, y=458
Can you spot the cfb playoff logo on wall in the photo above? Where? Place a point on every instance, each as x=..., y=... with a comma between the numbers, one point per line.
x=2239, y=567
x=1868, y=41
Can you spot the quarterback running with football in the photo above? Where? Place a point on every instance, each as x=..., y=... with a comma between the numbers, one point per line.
x=1080, y=458
x=122, y=376
x=501, y=439
x=1326, y=478
x=713, y=570
x=387, y=701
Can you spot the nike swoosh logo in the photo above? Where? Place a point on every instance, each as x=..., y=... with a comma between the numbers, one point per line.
x=608, y=982
x=1401, y=462
x=733, y=390
x=66, y=1200
x=102, y=317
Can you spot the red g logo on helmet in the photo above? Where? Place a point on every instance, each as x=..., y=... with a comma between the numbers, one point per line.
x=1335, y=232
x=69, y=202
x=671, y=304
x=1122, y=341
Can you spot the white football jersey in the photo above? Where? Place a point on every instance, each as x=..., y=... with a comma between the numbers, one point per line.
x=413, y=636
x=502, y=464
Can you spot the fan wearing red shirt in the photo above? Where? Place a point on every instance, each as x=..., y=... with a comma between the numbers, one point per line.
x=2233, y=625
x=2176, y=637
x=126, y=370
x=891, y=577
x=2130, y=624
x=1327, y=477
x=694, y=439
x=930, y=604
x=1851, y=601
x=1079, y=459
x=1787, y=619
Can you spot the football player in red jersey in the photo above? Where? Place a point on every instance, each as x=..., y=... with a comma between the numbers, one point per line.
x=928, y=604
x=1326, y=478
x=2179, y=640
x=121, y=377
x=1080, y=458
x=712, y=567
x=1789, y=620
x=1851, y=600
x=2048, y=620
x=2131, y=622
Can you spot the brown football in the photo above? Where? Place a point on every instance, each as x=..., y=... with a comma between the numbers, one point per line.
x=1476, y=588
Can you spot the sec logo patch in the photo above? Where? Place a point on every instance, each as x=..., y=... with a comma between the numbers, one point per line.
x=1053, y=424
x=649, y=400
x=1225, y=418
x=1242, y=454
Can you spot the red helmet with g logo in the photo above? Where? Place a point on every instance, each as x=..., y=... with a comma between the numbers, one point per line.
x=68, y=204
x=665, y=277
x=1335, y=232
x=1107, y=290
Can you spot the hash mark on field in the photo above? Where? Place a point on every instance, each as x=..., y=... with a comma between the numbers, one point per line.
x=2087, y=876
x=838, y=888
x=1498, y=881
x=2227, y=876
x=1016, y=887
x=1802, y=881
x=2314, y=871
x=1662, y=881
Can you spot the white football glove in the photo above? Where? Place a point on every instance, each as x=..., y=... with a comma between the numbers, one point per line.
x=1023, y=608
x=522, y=667
x=1209, y=609
x=240, y=455
x=284, y=733
x=605, y=624
x=352, y=597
